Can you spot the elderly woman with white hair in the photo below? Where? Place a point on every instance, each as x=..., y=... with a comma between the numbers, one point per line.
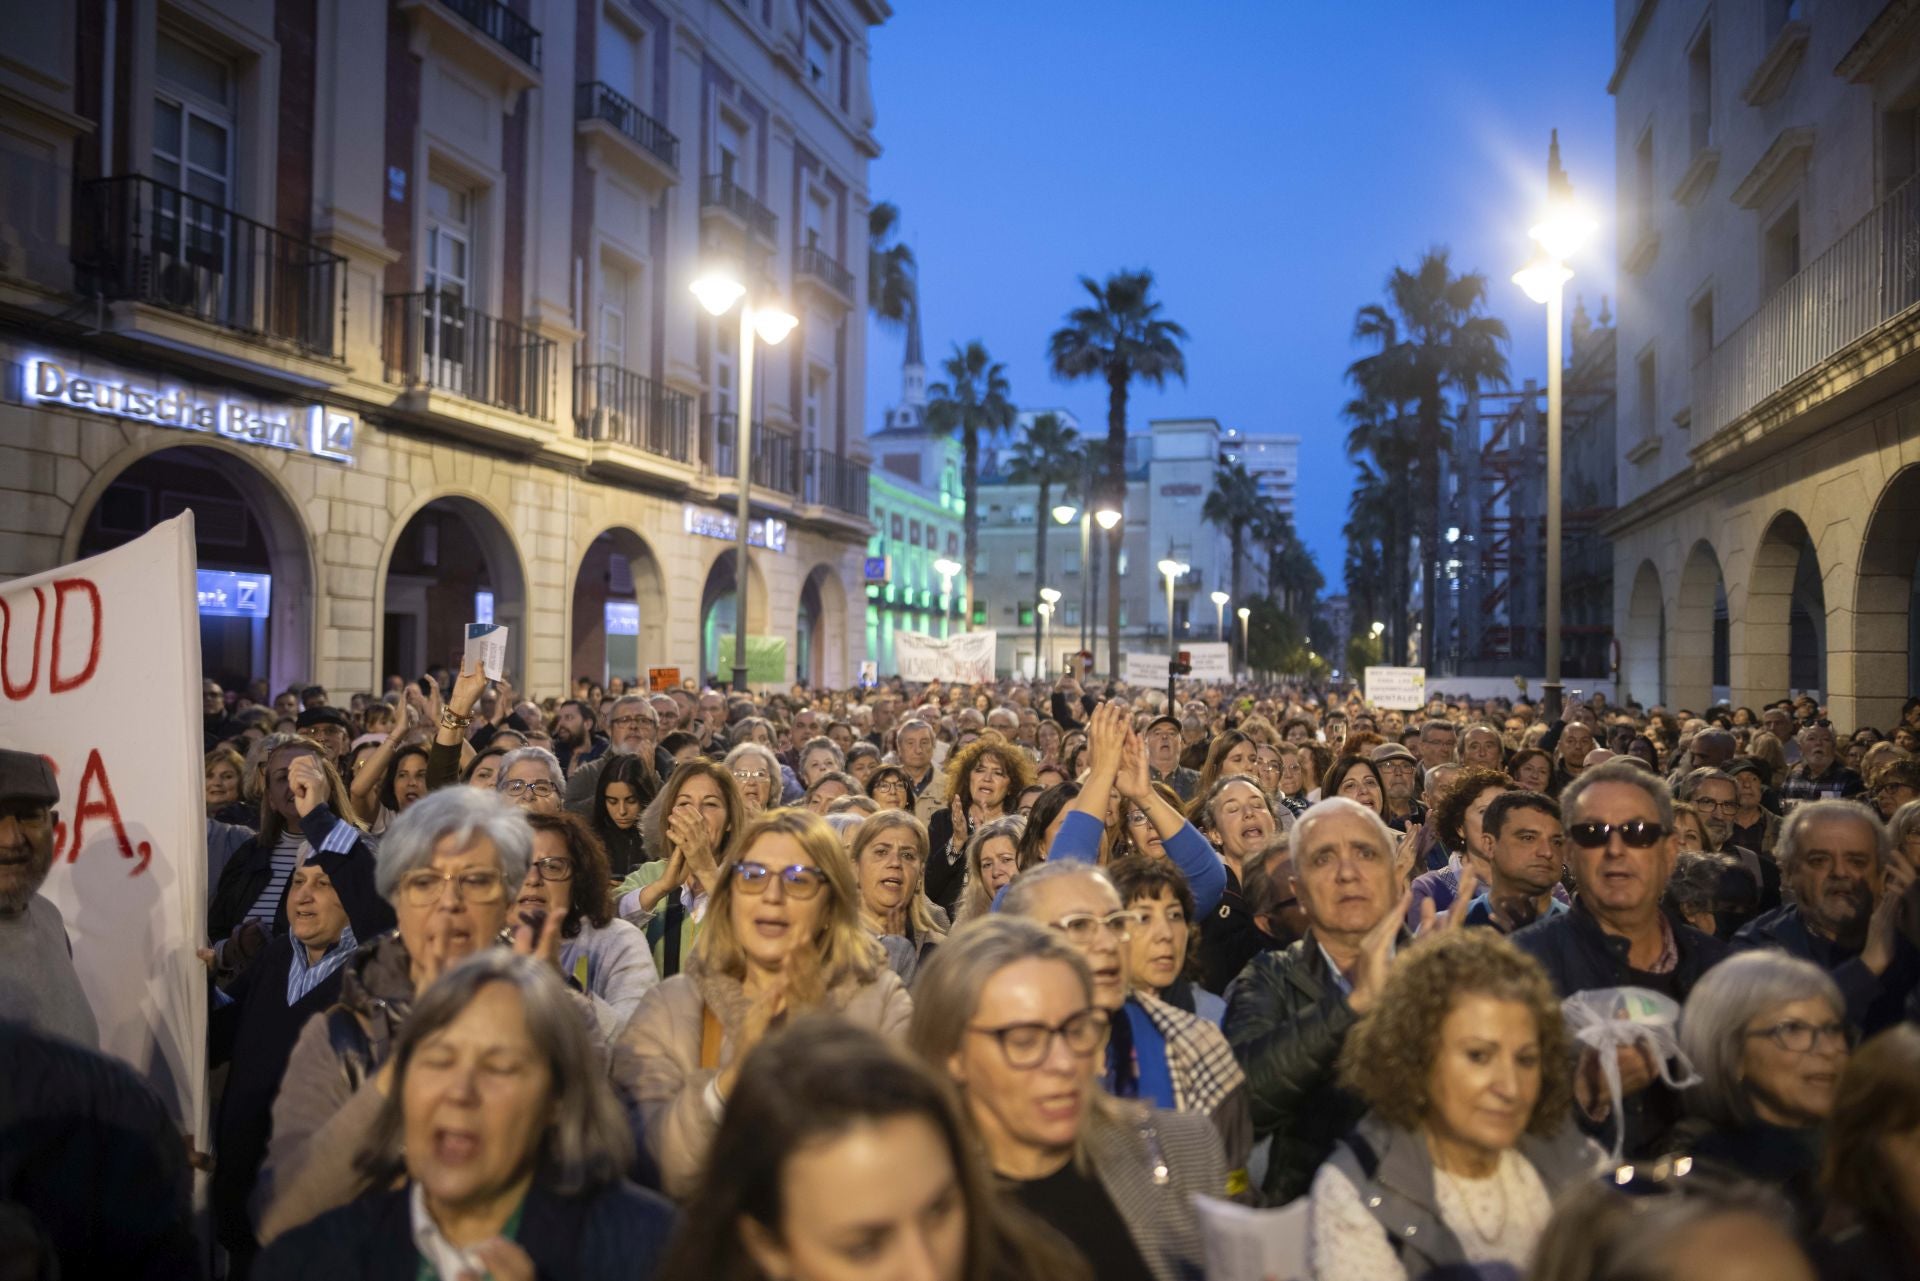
x=1768, y=1035
x=757, y=772
x=531, y=778
x=450, y=866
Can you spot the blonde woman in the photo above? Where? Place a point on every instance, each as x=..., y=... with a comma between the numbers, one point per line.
x=782, y=935
x=993, y=860
x=890, y=859
x=690, y=828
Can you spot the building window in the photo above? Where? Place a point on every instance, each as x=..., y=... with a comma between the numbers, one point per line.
x=1647, y=397
x=726, y=360
x=899, y=526
x=733, y=156
x=823, y=61
x=620, y=59
x=1023, y=563
x=1780, y=251
x=615, y=283
x=1779, y=14
x=1700, y=91
x=913, y=532
x=1026, y=616
x=817, y=221
x=953, y=544
x=1700, y=326
x=193, y=121
x=449, y=272
x=819, y=394
x=1899, y=148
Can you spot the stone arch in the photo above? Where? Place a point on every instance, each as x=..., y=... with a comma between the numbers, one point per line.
x=615, y=565
x=419, y=620
x=1886, y=603
x=823, y=611
x=292, y=648
x=717, y=611
x=1697, y=634
x=1783, y=628
x=1643, y=662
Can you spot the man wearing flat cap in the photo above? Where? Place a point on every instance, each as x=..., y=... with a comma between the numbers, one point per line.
x=329, y=727
x=38, y=985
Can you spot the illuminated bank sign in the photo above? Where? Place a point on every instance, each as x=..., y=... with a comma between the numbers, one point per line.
x=318, y=430
x=769, y=533
x=229, y=595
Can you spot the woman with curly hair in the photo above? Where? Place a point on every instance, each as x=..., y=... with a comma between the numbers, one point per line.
x=984, y=782
x=1456, y=817
x=1466, y=1069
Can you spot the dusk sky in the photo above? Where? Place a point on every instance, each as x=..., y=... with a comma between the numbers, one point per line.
x=1271, y=162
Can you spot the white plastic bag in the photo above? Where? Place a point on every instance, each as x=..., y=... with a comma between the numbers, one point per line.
x=1608, y=1019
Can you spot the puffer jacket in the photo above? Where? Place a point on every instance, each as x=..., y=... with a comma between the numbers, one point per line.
x=662, y=1051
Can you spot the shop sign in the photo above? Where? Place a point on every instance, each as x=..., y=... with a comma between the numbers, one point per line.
x=229, y=595
x=319, y=430
x=770, y=533
x=879, y=569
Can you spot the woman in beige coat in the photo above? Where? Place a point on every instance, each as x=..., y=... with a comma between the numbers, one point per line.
x=782, y=935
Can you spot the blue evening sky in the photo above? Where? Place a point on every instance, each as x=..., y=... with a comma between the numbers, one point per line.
x=1271, y=161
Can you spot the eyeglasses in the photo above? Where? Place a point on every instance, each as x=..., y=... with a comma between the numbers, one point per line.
x=801, y=882
x=1702, y=803
x=554, y=869
x=1636, y=833
x=749, y=775
x=627, y=722
x=1083, y=928
x=1025, y=1045
x=1797, y=1037
x=521, y=787
x=424, y=889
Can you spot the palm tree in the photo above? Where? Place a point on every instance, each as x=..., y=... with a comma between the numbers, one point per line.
x=1432, y=338
x=1119, y=337
x=974, y=397
x=1293, y=577
x=892, y=285
x=1234, y=505
x=1388, y=501
x=1049, y=454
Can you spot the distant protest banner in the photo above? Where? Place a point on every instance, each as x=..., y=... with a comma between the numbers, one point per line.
x=766, y=659
x=1147, y=671
x=1401, y=689
x=100, y=672
x=966, y=658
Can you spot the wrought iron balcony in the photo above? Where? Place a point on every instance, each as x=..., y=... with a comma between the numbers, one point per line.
x=836, y=482
x=434, y=340
x=814, y=261
x=618, y=405
x=501, y=25
x=776, y=454
x=144, y=241
x=717, y=191
x=598, y=101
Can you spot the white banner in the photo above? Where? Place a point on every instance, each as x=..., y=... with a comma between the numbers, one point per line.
x=1211, y=660
x=1145, y=671
x=1397, y=688
x=100, y=670
x=966, y=657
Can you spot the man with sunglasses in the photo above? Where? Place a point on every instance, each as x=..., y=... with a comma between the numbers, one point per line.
x=1619, y=824
x=1155, y=1051
x=1848, y=882
x=1819, y=776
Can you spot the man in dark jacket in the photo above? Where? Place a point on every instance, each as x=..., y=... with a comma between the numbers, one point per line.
x=636, y=732
x=1620, y=843
x=1842, y=869
x=1289, y=1012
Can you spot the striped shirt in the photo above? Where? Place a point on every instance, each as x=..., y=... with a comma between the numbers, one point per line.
x=304, y=975
x=286, y=857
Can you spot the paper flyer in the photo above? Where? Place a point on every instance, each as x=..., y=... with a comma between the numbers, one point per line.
x=487, y=645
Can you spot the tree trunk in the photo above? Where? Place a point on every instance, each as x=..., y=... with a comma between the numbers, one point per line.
x=1239, y=540
x=970, y=439
x=1117, y=380
x=1430, y=536
x=1040, y=575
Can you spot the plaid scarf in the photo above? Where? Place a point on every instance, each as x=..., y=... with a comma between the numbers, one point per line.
x=1202, y=1065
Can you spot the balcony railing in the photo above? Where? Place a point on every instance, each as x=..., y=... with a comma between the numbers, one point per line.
x=142, y=240
x=1866, y=278
x=815, y=262
x=434, y=340
x=836, y=482
x=776, y=454
x=501, y=25
x=618, y=405
x=597, y=101
x=717, y=191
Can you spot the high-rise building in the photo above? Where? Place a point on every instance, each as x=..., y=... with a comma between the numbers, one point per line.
x=1274, y=462
x=1769, y=422
x=394, y=296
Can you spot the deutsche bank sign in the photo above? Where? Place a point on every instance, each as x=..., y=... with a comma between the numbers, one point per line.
x=312, y=429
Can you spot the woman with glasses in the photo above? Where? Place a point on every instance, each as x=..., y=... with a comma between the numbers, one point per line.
x=889, y=854
x=606, y=957
x=449, y=866
x=757, y=772
x=1008, y=1010
x=691, y=825
x=890, y=786
x=1767, y=1034
x=782, y=936
x=531, y=778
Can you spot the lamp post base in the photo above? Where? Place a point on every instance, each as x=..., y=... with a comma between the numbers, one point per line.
x=740, y=679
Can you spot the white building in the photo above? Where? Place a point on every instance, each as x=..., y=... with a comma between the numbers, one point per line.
x=1769, y=419
x=1274, y=462
x=424, y=267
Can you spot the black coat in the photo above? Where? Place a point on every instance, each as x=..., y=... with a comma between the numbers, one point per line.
x=1874, y=1002
x=618, y=1232
x=1286, y=1021
x=251, y=868
x=1579, y=956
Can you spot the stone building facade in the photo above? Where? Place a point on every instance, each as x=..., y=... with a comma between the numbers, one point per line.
x=1768, y=358
x=394, y=297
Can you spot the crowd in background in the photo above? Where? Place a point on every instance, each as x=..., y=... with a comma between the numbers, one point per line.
x=991, y=981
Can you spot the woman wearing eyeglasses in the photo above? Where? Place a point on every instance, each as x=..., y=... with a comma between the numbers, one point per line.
x=757, y=770
x=782, y=935
x=1768, y=1035
x=606, y=956
x=1008, y=1009
x=890, y=786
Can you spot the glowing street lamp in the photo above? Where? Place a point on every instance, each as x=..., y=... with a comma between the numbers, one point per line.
x=1220, y=600
x=719, y=291
x=1246, y=656
x=1172, y=569
x=1049, y=601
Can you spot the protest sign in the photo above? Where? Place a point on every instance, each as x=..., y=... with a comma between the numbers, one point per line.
x=766, y=659
x=1401, y=689
x=1146, y=670
x=1210, y=660
x=486, y=646
x=100, y=672
x=966, y=658
x=662, y=679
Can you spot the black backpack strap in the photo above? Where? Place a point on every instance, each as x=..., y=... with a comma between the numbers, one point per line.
x=676, y=912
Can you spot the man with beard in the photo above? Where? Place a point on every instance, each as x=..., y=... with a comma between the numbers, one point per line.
x=636, y=732
x=1847, y=882
x=38, y=984
x=575, y=739
x=1819, y=776
x=1400, y=772
x=1715, y=795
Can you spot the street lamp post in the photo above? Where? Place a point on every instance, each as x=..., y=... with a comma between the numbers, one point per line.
x=1220, y=600
x=718, y=291
x=1246, y=655
x=1172, y=569
x=1106, y=516
x=1049, y=601
x=1063, y=514
x=1556, y=238
x=947, y=569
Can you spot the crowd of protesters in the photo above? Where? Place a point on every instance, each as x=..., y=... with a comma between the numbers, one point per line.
x=993, y=981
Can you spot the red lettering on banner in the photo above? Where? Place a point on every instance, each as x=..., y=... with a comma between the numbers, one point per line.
x=104, y=806
x=14, y=692
x=56, y=684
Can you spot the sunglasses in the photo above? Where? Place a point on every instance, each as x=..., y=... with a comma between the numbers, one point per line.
x=1635, y=833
